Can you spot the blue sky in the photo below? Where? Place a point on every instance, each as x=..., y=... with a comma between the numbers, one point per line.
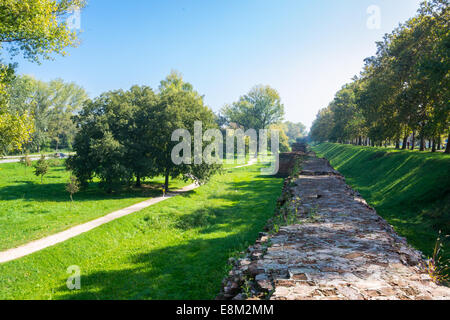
x=305, y=49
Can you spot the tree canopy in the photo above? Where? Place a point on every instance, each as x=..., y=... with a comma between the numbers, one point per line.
x=37, y=29
x=402, y=93
x=258, y=109
x=126, y=136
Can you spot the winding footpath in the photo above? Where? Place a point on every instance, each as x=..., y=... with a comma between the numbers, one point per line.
x=38, y=245
x=339, y=249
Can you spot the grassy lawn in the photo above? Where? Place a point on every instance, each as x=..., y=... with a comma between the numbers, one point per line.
x=177, y=249
x=411, y=190
x=30, y=210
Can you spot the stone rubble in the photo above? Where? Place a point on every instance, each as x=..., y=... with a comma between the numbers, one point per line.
x=338, y=249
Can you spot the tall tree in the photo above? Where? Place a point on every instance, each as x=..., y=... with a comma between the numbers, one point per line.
x=258, y=109
x=37, y=29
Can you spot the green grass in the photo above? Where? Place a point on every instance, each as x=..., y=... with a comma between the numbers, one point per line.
x=409, y=189
x=30, y=210
x=177, y=249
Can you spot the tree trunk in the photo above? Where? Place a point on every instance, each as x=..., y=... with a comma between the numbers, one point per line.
x=166, y=183
x=405, y=142
x=433, y=147
x=138, y=181
x=397, y=144
x=413, y=143
x=360, y=141
x=447, y=149
x=422, y=142
x=439, y=143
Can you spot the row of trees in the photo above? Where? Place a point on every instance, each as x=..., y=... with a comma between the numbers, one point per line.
x=126, y=136
x=261, y=108
x=37, y=29
x=401, y=96
x=52, y=104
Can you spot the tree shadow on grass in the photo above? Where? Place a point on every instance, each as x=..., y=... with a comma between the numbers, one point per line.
x=190, y=271
x=56, y=192
x=194, y=269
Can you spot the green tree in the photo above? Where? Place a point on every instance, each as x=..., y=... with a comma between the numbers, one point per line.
x=179, y=107
x=72, y=187
x=128, y=135
x=41, y=167
x=52, y=104
x=258, y=109
x=37, y=29
x=26, y=162
x=294, y=131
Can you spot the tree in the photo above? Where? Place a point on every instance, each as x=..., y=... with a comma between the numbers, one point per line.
x=41, y=167
x=128, y=135
x=403, y=89
x=258, y=109
x=26, y=161
x=15, y=131
x=72, y=187
x=37, y=29
x=294, y=131
x=284, y=139
x=179, y=107
x=52, y=105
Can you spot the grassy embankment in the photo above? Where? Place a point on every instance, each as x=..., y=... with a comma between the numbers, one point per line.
x=411, y=190
x=177, y=249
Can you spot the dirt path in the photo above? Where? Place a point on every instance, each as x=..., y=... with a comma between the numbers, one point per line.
x=34, y=246
x=339, y=248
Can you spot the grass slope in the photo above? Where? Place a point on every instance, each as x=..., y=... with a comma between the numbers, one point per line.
x=177, y=249
x=409, y=189
x=30, y=210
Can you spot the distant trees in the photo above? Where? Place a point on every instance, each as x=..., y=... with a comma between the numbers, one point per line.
x=52, y=104
x=402, y=94
x=258, y=109
x=294, y=131
x=261, y=108
x=37, y=29
x=126, y=136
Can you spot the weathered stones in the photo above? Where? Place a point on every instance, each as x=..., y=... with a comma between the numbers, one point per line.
x=339, y=249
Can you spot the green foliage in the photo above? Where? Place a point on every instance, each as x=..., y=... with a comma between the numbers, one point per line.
x=15, y=131
x=26, y=161
x=258, y=109
x=73, y=186
x=41, y=168
x=37, y=28
x=402, y=90
x=294, y=131
x=52, y=104
x=128, y=135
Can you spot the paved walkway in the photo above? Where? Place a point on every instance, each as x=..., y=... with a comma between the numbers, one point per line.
x=52, y=240
x=339, y=249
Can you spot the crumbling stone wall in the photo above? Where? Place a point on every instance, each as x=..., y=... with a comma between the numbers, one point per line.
x=333, y=246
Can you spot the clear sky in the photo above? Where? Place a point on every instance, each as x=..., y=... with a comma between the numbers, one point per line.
x=305, y=49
